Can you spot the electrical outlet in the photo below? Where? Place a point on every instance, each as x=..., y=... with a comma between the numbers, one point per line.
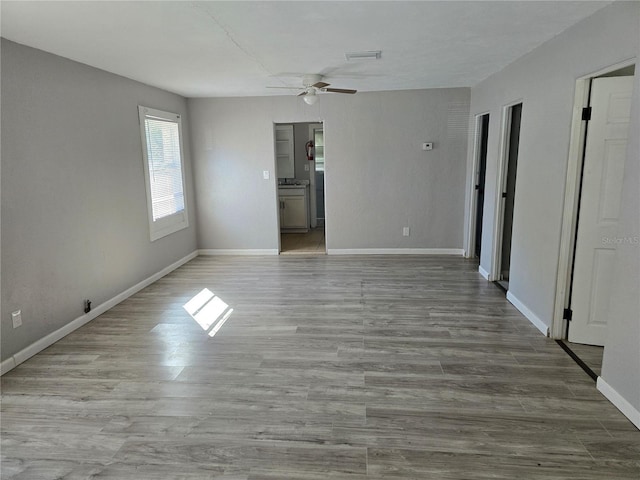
x=17, y=318
x=405, y=231
x=306, y=167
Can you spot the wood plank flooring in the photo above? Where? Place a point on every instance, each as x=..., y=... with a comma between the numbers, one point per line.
x=351, y=368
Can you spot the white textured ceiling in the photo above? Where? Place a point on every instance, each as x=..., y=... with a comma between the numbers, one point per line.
x=237, y=48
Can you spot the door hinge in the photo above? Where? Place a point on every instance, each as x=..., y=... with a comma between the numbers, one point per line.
x=567, y=314
x=586, y=113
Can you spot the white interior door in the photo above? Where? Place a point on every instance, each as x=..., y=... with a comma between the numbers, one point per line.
x=603, y=171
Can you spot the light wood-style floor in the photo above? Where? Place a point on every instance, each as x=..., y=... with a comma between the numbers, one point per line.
x=310, y=243
x=327, y=367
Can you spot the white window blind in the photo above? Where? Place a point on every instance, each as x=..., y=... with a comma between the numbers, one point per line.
x=165, y=167
x=162, y=151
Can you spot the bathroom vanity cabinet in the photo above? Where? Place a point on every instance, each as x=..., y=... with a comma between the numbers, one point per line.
x=294, y=208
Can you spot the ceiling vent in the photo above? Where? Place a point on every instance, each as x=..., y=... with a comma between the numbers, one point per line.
x=371, y=55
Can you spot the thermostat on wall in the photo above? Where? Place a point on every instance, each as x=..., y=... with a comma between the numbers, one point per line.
x=427, y=146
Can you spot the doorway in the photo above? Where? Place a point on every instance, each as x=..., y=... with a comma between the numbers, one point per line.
x=480, y=173
x=595, y=171
x=300, y=230
x=513, y=115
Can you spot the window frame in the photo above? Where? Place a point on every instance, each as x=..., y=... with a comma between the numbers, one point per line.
x=180, y=220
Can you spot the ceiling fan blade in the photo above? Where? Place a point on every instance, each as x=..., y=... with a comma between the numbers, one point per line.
x=288, y=88
x=339, y=90
x=320, y=84
x=302, y=94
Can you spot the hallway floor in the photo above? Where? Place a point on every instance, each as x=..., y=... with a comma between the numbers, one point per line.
x=310, y=243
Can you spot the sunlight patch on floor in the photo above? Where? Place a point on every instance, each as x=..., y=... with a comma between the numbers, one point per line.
x=208, y=310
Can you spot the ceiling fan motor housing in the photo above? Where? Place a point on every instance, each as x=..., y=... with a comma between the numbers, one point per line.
x=310, y=80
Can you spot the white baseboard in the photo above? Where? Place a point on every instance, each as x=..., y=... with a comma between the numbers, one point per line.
x=532, y=317
x=395, y=251
x=238, y=251
x=628, y=410
x=8, y=364
x=483, y=272
x=60, y=333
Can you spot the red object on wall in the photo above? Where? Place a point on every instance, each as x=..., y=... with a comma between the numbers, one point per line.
x=309, y=148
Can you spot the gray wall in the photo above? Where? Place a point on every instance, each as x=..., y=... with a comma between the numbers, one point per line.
x=377, y=177
x=74, y=214
x=544, y=80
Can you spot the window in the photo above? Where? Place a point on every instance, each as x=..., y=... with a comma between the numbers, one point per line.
x=164, y=171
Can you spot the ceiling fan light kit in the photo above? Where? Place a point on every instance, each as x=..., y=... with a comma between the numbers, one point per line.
x=310, y=98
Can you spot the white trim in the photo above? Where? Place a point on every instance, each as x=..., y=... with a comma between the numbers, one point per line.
x=395, y=251
x=628, y=410
x=60, y=333
x=8, y=364
x=179, y=220
x=532, y=317
x=325, y=197
x=312, y=178
x=501, y=180
x=567, y=229
x=498, y=207
x=483, y=272
x=471, y=187
x=238, y=251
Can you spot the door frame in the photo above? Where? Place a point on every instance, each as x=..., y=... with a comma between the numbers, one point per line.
x=275, y=180
x=472, y=204
x=313, y=201
x=573, y=181
x=324, y=189
x=322, y=122
x=501, y=178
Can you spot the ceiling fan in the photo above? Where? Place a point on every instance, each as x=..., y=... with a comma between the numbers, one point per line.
x=311, y=85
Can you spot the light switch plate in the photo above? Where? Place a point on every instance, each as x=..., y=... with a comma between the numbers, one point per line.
x=265, y=174
x=427, y=146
